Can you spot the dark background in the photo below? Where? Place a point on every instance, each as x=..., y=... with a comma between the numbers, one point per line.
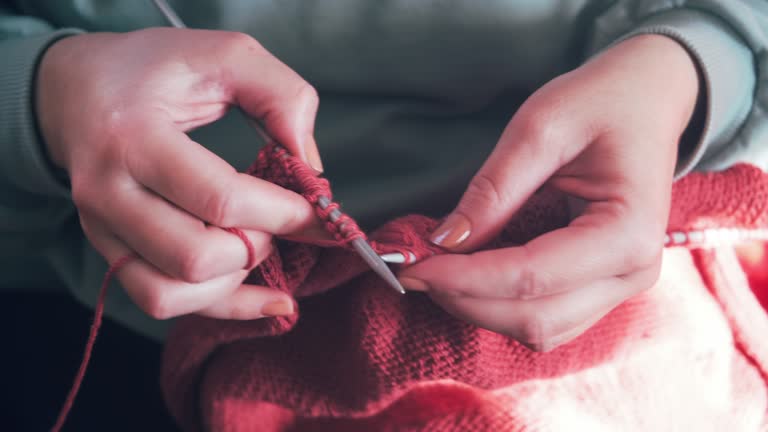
x=47, y=335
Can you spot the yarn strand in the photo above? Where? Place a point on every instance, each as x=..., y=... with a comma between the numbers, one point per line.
x=94, y=332
x=98, y=315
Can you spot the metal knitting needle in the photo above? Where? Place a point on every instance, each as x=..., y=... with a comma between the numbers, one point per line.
x=361, y=246
x=365, y=251
x=169, y=14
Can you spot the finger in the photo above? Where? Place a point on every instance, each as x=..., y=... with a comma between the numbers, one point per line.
x=156, y=293
x=270, y=91
x=173, y=241
x=545, y=323
x=599, y=244
x=543, y=136
x=315, y=233
x=198, y=181
x=251, y=302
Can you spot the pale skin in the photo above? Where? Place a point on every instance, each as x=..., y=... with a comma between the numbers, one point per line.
x=606, y=133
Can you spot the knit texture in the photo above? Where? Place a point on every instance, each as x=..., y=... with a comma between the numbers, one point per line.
x=685, y=354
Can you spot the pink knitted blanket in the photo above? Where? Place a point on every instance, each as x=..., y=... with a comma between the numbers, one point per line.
x=689, y=354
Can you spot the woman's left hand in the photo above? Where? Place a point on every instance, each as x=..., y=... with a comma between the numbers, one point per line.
x=606, y=133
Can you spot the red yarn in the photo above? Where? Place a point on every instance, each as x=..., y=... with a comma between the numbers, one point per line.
x=251, y=260
x=97, y=318
x=284, y=170
x=361, y=357
x=364, y=358
x=276, y=164
x=97, y=315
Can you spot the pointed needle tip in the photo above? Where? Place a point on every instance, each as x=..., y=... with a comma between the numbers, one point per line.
x=377, y=264
x=389, y=278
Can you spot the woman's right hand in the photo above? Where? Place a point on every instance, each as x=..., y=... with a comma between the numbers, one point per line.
x=113, y=110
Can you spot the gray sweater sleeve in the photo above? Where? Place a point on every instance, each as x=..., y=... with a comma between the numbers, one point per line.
x=728, y=41
x=34, y=200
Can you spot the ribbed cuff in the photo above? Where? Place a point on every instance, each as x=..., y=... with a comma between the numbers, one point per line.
x=23, y=160
x=726, y=67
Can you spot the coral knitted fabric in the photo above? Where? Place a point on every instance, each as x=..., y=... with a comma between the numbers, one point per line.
x=690, y=353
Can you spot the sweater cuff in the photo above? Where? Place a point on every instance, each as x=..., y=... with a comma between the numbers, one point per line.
x=727, y=73
x=23, y=159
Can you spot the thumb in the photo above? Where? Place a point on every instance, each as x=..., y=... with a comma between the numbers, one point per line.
x=531, y=149
x=268, y=90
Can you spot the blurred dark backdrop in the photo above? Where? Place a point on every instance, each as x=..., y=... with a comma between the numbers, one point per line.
x=39, y=358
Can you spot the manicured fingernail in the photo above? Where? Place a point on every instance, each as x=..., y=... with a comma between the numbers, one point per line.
x=277, y=308
x=313, y=157
x=412, y=284
x=453, y=231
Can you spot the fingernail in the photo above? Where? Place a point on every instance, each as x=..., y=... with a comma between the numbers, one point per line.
x=313, y=157
x=277, y=308
x=412, y=284
x=452, y=232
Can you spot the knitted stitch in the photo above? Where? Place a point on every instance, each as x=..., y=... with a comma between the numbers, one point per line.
x=686, y=354
x=441, y=384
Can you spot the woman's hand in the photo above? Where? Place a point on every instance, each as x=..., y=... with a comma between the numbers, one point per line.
x=114, y=109
x=606, y=133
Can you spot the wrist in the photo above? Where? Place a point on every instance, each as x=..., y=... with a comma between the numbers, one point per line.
x=670, y=70
x=56, y=94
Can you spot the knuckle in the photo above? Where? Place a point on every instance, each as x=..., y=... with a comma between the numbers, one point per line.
x=307, y=92
x=85, y=225
x=217, y=208
x=538, y=126
x=262, y=253
x=484, y=191
x=262, y=245
x=530, y=285
x=645, y=280
x=82, y=193
x=110, y=149
x=654, y=273
x=535, y=332
x=117, y=129
x=297, y=215
x=531, y=282
x=113, y=122
x=97, y=195
x=644, y=252
x=159, y=305
x=92, y=234
x=237, y=43
x=194, y=266
x=86, y=194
